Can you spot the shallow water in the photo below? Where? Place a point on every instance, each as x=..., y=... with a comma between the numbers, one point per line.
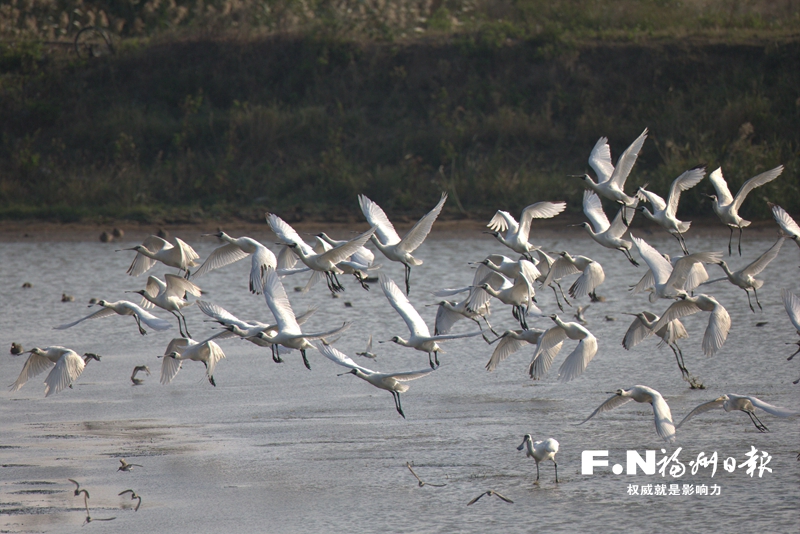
x=279, y=448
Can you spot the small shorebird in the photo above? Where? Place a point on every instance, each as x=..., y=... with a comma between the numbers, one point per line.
x=489, y=493
x=125, y=466
x=420, y=481
x=133, y=496
x=139, y=381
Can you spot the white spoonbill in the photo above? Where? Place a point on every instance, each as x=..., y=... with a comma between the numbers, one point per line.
x=726, y=206
x=746, y=277
x=787, y=224
x=123, y=307
x=169, y=296
x=642, y=327
x=450, y=312
x=697, y=275
x=68, y=367
x=510, y=342
x=516, y=237
x=289, y=334
x=391, y=382
x=356, y=264
x=540, y=451
x=179, y=255
x=665, y=213
x=519, y=293
x=238, y=248
x=669, y=280
x=388, y=241
x=719, y=322
x=420, y=337
x=608, y=234
x=182, y=348
x=324, y=262
x=550, y=344
x=611, y=180
x=663, y=416
x=742, y=403
x=592, y=274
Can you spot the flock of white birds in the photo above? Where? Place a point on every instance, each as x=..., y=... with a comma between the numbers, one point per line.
x=499, y=280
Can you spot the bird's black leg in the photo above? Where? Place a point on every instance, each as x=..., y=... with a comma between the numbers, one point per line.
x=211, y=381
x=756, y=421
x=740, y=241
x=408, y=278
x=276, y=357
x=361, y=280
x=628, y=255
x=305, y=360
x=561, y=289
x=560, y=307
x=338, y=285
x=180, y=326
x=555, y=464
x=795, y=352
x=755, y=292
x=748, y=301
x=139, y=324
x=730, y=240
x=397, y=405
x=537, y=471
x=186, y=326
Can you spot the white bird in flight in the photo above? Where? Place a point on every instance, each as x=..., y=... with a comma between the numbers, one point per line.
x=289, y=333
x=540, y=451
x=787, y=224
x=169, y=295
x=519, y=293
x=68, y=367
x=665, y=213
x=592, y=274
x=182, y=348
x=510, y=342
x=719, y=322
x=745, y=278
x=611, y=180
x=642, y=327
x=550, y=344
x=742, y=403
x=608, y=234
x=123, y=307
x=726, y=206
x=663, y=416
x=388, y=241
x=420, y=337
x=154, y=249
x=792, y=304
x=669, y=280
x=391, y=382
x=324, y=262
x=238, y=248
x=368, y=351
x=517, y=234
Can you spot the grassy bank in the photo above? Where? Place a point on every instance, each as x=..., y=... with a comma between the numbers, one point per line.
x=197, y=121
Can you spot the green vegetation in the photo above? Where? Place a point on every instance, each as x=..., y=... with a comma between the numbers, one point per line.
x=233, y=108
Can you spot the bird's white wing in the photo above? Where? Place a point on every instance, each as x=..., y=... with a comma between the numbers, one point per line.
x=637, y=331
x=67, y=370
x=575, y=364
x=287, y=259
x=214, y=354
x=659, y=266
x=342, y=252
x=626, y=161
x=683, y=267
x=614, y=402
x=546, y=350
x=539, y=210
x=724, y=196
x=220, y=257
x=719, y=324
x=697, y=275
x=169, y=368
x=156, y=323
x=34, y=365
x=593, y=209
x=422, y=228
x=684, y=182
x=287, y=234
x=506, y=347
x=786, y=223
x=561, y=267
x=337, y=356
x=326, y=335
x=443, y=337
x=792, y=304
x=279, y=305
x=657, y=202
x=405, y=376
x=263, y=260
x=401, y=304
x=142, y=263
x=647, y=281
x=445, y=319
x=105, y=312
x=769, y=408
x=618, y=227
x=376, y=217
x=178, y=286
x=502, y=221
x=600, y=160
x=187, y=252
x=755, y=181
x=663, y=418
x=593, y=275
x=706, y=406
x=179, y=344
x=678, y=309
x=761, y=263
x=220, y=314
